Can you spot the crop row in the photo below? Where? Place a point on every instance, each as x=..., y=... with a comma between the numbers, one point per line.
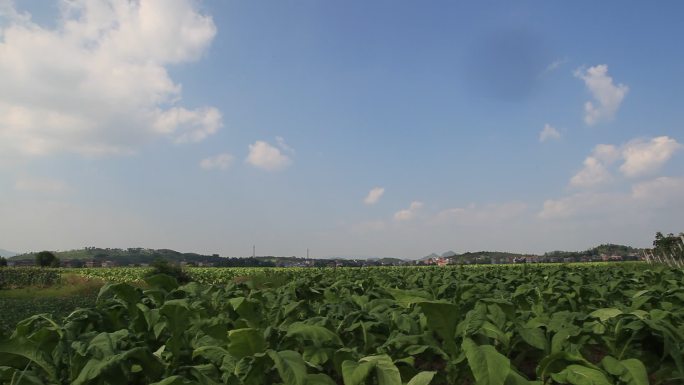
x=532, y=325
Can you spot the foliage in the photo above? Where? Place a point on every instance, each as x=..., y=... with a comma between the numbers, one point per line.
x=47, y=259
x=619, y=324
x=669, y=245
x=13, y=277
x=162, y=266
x=3, y=262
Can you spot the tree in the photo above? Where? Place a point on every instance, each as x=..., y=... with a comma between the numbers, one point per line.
x=3, y=261
x=47, y=259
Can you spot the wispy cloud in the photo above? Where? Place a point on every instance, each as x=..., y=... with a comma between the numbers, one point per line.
x=374, y=195
x=220, y=162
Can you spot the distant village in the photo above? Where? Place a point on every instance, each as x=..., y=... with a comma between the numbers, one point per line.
x=91, y=257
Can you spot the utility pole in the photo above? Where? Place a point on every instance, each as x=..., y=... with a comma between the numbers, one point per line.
x=307, y=253
x=253, y=251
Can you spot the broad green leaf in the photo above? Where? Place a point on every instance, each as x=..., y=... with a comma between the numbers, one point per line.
x=515, y=378
x=354, y=373
x=290, y=365
x=246, y=342
x=442, y=318
x=630, y=371
x=319, y=379
x=17, y=352
x=162, y=281
x=489, y=367
x=385, y=370
x=174, y=380
x=606, y=313
x=422, y=378
x=317, y=334
x=556, y=362
x=406, y=298
x=535, y=337
x=581, y=375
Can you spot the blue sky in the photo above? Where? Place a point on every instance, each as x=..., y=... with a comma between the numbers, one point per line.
x=212, y=126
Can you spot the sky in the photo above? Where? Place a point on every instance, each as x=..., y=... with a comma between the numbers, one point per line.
x=351, y=128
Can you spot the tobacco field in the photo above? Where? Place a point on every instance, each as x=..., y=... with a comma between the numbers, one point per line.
x=497, y=325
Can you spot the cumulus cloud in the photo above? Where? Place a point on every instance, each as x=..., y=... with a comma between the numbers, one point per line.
x=97, y=82
x=548, y=132
x=595, y=169
x=374, y=195
x=217, y=162
x=409, y=213
x=265, y=156
x=607, y=96
x=647, y=156
x=639, y=157
x=43, y=185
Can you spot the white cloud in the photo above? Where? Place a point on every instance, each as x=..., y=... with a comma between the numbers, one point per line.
x=44, y=185
x=607, y=96
x=646, y=156
x=267, y=157
x=548, y=132
x=219, y=162
x=639, y=157
x=374, y=195
x=409, y=213
x=595, y=171
x=97, y=82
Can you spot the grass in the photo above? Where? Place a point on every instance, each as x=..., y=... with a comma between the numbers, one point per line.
x=71, y=293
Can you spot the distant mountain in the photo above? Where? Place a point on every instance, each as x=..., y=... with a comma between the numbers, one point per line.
x=448, y=254
x=7, y=253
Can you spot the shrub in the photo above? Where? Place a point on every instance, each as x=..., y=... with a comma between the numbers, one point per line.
x=162, y=266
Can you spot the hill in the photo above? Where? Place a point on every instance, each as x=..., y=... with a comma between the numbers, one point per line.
x=7, y=253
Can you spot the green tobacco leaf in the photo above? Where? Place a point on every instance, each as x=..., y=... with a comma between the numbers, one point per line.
x=407, y=297
x=111, y=367
x=535, y=337
x=556, y=362
x=489, y=367
x=318, y=334
x=290, y=365
x=174, y=380
x=354, y=373
x=630, y=371
x=17, y=353
x=319, y=379
x=246, y=342
x=581, y=375
x=515, y=378
x=385, y=370
x=442, y=318
x=606, y=313
x=162, y=281
x=422, y=378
